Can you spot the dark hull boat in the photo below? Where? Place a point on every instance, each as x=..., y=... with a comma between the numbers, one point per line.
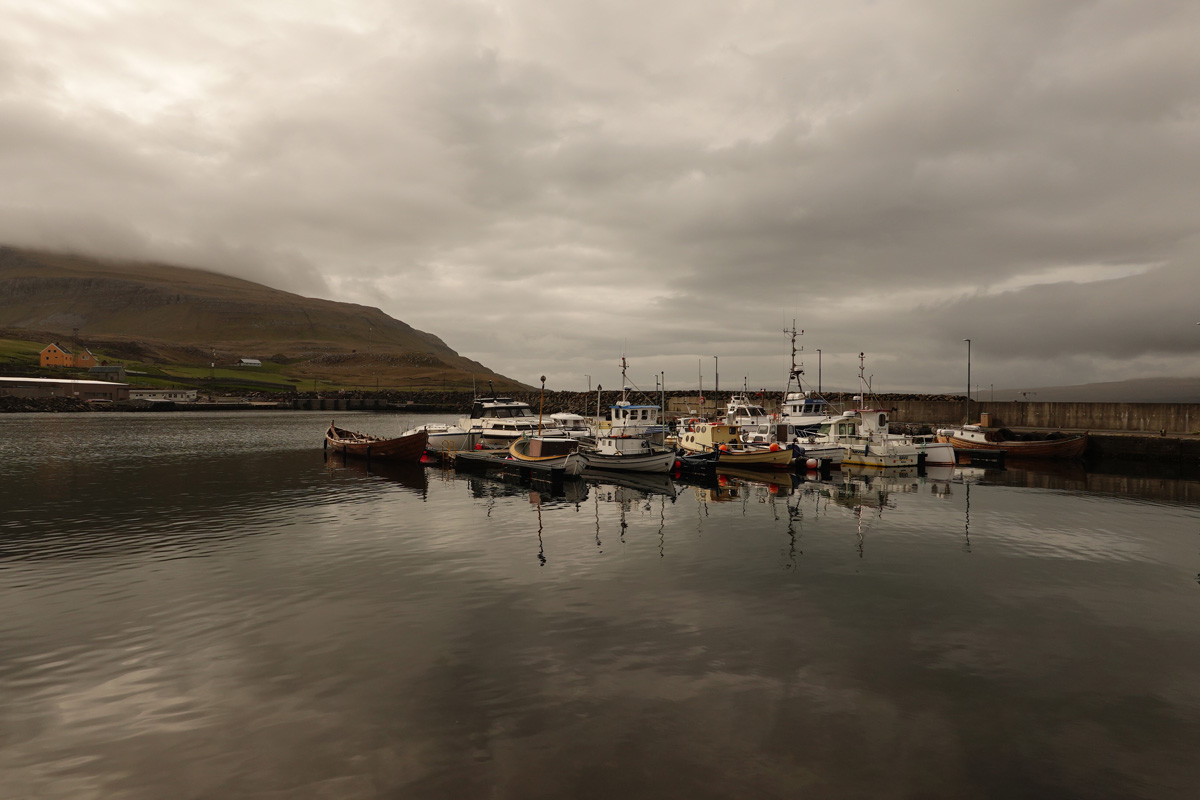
x=409, y=447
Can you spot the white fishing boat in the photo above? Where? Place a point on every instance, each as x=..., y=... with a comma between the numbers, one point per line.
x=935, y=452
x=442, y=436
x=746, y=414
x=804, y=411
x=628, y=453
x=865, y=439
x=627, y=418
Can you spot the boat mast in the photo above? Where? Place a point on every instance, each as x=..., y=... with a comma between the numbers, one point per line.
x=797, y=370
x=862, y=384
x=624, y=380
x=541, y=402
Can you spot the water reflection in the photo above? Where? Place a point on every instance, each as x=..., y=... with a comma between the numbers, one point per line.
x=191, y=617
x=412, y=477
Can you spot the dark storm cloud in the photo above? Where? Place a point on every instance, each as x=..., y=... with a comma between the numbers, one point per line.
x=678, y=182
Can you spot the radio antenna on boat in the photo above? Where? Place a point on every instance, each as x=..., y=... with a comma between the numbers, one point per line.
x=862, y=384
x=797, y=369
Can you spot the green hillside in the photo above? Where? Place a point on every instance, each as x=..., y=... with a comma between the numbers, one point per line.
x=169, y=321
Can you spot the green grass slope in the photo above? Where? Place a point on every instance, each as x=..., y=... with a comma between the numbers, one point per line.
x=157, y=314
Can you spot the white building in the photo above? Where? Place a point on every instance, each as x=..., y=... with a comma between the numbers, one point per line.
x=162, y=395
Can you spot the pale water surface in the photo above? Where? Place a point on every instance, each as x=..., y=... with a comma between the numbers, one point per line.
x=201, y=605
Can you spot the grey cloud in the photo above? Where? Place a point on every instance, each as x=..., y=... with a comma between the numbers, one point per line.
x=681, y=181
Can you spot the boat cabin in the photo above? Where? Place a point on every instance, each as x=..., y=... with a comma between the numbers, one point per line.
x=799, y=408
x=858, y=424
x=706, y=436
x=572, y=425
x=628, y=419
x=499, y=408
x=741, y=411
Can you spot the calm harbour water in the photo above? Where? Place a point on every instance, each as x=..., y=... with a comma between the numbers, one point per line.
x=202, y=605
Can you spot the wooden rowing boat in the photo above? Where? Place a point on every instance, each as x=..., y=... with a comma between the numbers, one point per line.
x=409, y=447
x=1054, y=445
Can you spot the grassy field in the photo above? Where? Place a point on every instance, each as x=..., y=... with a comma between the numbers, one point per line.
x=20, y=352
x=19, y=356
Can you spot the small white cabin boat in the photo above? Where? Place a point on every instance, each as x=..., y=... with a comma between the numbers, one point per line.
x=497, y=422
x=804, y=411
x=628, y=453
x=574, y=426
x=865, y=441
x=706, y=437
x=630, y=419
x=745, y=414
x=444, y=437
x=804, y=443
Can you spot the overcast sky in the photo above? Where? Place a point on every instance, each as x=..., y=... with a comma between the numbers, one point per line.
x=545, y=185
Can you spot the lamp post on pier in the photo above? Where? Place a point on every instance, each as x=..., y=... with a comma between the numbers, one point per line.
x=968, y=341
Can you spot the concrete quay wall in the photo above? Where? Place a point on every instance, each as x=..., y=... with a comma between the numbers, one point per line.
x=1148, y=418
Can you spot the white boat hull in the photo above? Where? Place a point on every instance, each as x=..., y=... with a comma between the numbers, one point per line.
x=661, y=462
x=879, y=456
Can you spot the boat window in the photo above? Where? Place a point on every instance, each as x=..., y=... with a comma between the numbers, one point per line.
x=882, y=420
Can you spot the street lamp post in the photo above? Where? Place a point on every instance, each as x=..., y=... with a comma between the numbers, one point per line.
x=968, y=341
x=716, y=374
x=818, y=370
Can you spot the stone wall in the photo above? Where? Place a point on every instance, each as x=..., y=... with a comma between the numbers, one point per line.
x=1152, y=418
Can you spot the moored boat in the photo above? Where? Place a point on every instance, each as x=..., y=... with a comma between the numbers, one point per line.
x=865, y=441
x=864, y=437
x=496, y=421
x=628, y=453
x=408, y=447
x=555, y=452
x=574, y=426
x=1030, y=445
x=746, y=414
x=444, y=437
x=723, y=439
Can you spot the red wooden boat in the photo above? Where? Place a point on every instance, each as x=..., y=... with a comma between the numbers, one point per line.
x=1054, y=445
x=409, y=447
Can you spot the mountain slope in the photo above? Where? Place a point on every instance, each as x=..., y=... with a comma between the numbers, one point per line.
x=192, y=312
x=1142, y=390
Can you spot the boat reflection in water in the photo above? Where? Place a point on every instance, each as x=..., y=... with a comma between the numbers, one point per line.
x=410, y=476
x=629, y=485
